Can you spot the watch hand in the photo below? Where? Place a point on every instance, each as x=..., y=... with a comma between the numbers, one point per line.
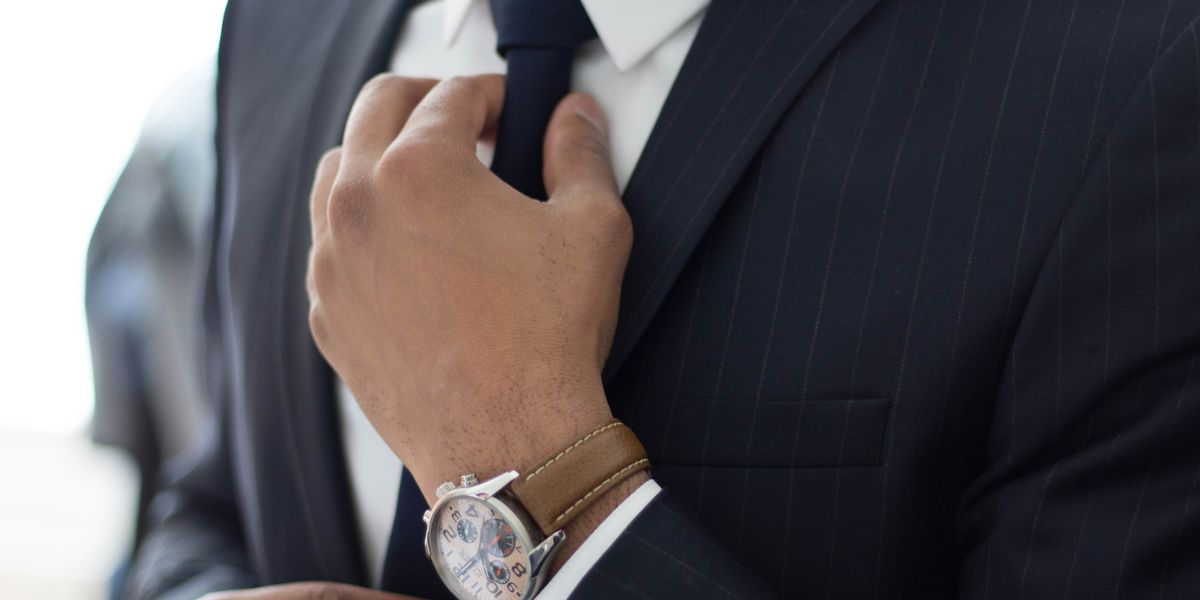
x=479, y=553
x=487, y=572
x=467, y=565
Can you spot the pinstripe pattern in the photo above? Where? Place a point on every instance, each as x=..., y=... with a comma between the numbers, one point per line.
x=737, y=288
x=642, y=304
x=707, y=579
x=1112, y=43
x=910, y=312
x=942, y=196
x=625, y=589
x=1033, y=174
x=967, y=271
x=668, y=120
x=933, y=204
x=1107, y=349
x=683, y=354
x=648, y=278
x=1087, y=513
x=1121, y=564
x=708, y=131
x=816, y=326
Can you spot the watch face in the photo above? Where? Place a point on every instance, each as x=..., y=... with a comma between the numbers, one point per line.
x=477, y=551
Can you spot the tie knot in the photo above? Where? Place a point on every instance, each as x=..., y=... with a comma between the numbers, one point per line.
x=560, y=24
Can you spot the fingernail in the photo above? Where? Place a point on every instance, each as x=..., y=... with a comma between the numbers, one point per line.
x=587, y=107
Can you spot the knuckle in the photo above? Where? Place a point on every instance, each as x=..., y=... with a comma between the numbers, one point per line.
x=377, y=86
x=411, y=161
x=411, y=92
x=348, y=204
x=331, y=155
x=381, y=81
x=382, y=84
x=389, y=87
x=320, y=269
x=464, y=84
x=330, y=159
x=611, y=221
x=403, y=156
x=319, y=275
x=316, y=324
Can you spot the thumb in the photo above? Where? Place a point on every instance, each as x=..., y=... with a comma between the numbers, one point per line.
x=576, y=157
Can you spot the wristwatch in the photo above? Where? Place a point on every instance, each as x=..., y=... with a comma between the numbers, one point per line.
x=495, y=539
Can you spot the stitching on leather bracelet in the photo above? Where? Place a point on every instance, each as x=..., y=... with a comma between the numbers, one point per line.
x=572, y=447
x=597, y=488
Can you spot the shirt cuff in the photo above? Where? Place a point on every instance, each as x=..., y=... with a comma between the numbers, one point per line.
x=572, y=572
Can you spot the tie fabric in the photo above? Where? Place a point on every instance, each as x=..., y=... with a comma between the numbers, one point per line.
x=406, y=569
x=538, y=39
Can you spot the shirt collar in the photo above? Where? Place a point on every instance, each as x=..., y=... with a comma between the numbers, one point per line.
x=626, y=40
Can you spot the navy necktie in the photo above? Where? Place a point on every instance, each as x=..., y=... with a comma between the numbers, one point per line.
x=538, y=39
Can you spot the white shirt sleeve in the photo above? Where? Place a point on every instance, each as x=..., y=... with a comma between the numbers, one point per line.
x=572, y=572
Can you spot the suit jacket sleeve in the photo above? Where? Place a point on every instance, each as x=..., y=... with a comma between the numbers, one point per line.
x=666, y=552
x=1093, y=460
x=195, y=544
x=1090, y=485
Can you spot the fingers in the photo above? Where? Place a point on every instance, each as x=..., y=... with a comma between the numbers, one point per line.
x=327, y=170
x=576, y=154
x=380, y=112
x=456, y=113
x=579, y=174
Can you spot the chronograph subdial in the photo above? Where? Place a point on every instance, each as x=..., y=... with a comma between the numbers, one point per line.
x=485, y=547
x=498, y=572
x=467, y=530
x=483, y=555
x=498, y=538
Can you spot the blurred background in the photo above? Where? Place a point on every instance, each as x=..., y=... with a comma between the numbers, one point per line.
x=81, y=81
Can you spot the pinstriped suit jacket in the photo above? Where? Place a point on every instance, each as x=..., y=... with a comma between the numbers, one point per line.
x=911, y=311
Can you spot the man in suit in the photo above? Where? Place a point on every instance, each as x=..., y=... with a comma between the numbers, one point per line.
x=908, y=310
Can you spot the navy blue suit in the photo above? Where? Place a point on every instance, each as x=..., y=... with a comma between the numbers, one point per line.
x=912, y=309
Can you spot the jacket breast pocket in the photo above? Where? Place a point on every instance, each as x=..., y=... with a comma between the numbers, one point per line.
x=817, y=433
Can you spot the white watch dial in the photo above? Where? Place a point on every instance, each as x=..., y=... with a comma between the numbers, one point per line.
x=479, y=554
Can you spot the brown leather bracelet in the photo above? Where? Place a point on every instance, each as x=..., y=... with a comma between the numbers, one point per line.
x=561, y=486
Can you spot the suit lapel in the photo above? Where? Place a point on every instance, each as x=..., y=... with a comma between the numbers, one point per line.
x=361, y=48
x=748, y=62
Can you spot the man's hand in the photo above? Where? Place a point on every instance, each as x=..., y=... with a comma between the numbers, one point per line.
x=470, y=321
x=308, y=590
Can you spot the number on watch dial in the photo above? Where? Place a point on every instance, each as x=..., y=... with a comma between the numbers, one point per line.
x=479, y=548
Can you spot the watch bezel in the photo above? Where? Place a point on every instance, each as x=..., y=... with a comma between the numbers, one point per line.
x=540, y=548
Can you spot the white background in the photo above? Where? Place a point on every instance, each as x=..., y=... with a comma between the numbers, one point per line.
x=76, y=78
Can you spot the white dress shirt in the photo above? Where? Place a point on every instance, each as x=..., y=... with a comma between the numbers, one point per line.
x=629, y=70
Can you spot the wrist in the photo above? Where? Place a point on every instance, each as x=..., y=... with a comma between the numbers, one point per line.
x=531, y=417
x=567, y=494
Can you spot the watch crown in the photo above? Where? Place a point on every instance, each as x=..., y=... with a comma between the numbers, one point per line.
x=425, y=517
x=469, y=480
x=443, y=489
